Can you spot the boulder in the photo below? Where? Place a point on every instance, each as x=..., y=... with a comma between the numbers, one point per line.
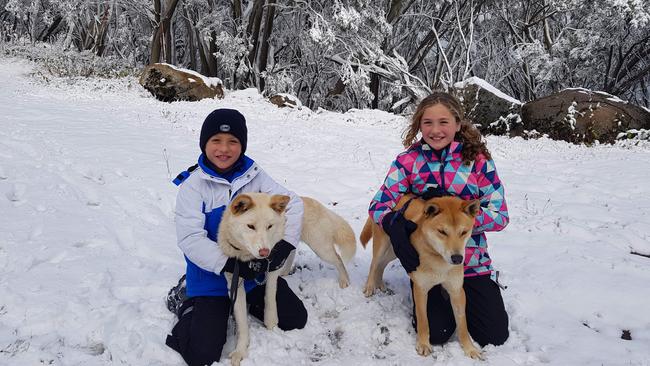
x=580, y=115
x=169, y=83
x=285, y=100
x=491, y=110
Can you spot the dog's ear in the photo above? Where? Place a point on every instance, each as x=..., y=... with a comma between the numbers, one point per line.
x=431, y=210
x=472, y=207
x=279, y=203
x=241, y=204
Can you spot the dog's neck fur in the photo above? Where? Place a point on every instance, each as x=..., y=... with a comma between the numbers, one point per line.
x=230, y=250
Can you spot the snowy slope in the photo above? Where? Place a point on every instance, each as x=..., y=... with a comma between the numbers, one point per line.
x=88, y=248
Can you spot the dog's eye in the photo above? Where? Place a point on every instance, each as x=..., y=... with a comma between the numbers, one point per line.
x=270, y=226
x=252, y=227
x=463, y=233
x=442, y=232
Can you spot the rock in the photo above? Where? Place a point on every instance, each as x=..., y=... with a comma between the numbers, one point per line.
x=285, y=100
x=493, y=111
x=169, y=83
x=581, y=115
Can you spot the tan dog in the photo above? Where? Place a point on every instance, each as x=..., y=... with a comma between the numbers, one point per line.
x=253, y=223
x=444, y=226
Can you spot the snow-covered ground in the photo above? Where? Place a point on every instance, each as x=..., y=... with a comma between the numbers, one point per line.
x=88, y=249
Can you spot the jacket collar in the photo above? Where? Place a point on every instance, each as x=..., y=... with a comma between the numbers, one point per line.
x=246, y=169
x=450, y=153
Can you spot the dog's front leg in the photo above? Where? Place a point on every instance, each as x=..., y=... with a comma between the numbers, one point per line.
x=458, y=300
x=423, y=346
x=241, y=322
x=270, y=300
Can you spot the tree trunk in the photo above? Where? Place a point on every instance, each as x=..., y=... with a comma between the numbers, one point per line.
x=162, y=32
x=49, y=31
x=264, y=51
x=155, y=41
x=191, y=52
x=253, y=30
x=101, y=30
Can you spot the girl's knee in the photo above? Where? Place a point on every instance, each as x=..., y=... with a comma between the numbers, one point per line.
x=495, y=338
x=440, y=337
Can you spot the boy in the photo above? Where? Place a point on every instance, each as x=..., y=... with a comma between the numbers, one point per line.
x=223, y=172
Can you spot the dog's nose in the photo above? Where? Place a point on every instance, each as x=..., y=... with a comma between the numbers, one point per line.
x=264, y=252
x=456, y=259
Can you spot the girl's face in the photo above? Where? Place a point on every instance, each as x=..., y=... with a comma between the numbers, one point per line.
x=438, y=126
x=223, y=150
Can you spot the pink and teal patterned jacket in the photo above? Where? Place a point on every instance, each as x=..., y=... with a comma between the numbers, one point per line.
x=419, y=168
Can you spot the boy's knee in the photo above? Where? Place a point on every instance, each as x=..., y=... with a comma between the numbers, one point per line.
x=200, y=357
x=298, y=319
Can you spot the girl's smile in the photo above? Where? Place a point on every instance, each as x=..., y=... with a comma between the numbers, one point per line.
x=438, y=126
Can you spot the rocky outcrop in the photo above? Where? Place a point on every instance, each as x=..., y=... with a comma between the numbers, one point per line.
x=169, y=83
x=581, y=115
x=285, y=100
x=494, y=112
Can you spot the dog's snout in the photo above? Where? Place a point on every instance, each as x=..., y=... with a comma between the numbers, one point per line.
x=456, y=259
x=264, y=252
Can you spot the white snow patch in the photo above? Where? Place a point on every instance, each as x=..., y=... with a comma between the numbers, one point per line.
x=474, y=80
x=88, y=247
x=208, y=81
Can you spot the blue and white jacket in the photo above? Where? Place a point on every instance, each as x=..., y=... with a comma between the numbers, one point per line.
x=201, y=201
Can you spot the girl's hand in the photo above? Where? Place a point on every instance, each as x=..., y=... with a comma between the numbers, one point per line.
x=399, y=229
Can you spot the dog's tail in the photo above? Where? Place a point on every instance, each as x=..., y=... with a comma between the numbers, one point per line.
x=344, y=238
x=366, y=233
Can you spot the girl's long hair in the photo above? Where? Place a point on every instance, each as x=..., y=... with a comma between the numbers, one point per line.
x=469, y=135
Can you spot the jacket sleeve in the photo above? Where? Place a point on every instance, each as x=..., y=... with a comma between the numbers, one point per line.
x=494, y=211
x=295, y=208
x=395, y=185
x=192, y=237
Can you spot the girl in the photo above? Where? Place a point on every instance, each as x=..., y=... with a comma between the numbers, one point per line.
x=449, y=159
x=223, y=172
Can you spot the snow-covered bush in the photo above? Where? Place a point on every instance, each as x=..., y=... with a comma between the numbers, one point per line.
x=71, y=63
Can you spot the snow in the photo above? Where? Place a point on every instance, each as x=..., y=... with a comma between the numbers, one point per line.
x=88, y=246
x=475, y=80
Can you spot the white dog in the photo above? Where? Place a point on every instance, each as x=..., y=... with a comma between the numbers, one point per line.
x=255, y=221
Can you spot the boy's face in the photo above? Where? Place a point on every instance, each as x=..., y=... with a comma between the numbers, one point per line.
x=223, y=150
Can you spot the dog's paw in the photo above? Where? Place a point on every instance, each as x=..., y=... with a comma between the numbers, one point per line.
x=473, y=352
x=270, y=325
x=344, y=282
x=368, y=290
x=270, y=322
x=236, y=357
x=423, y=348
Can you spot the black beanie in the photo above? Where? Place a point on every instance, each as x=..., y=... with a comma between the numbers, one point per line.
x=224, y=121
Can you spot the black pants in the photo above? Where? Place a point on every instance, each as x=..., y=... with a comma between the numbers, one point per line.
x=487, y=320
x=200, y=334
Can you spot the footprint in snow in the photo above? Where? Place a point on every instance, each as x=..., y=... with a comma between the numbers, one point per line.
x=16, y=193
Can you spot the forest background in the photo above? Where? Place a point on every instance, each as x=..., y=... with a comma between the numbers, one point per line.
x=344, y=54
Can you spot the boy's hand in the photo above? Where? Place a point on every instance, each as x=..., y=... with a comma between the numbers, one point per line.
x=247, y=270
x=399, y=229
x=279, y=255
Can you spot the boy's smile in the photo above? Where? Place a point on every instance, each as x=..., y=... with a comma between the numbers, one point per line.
x=223, y=150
